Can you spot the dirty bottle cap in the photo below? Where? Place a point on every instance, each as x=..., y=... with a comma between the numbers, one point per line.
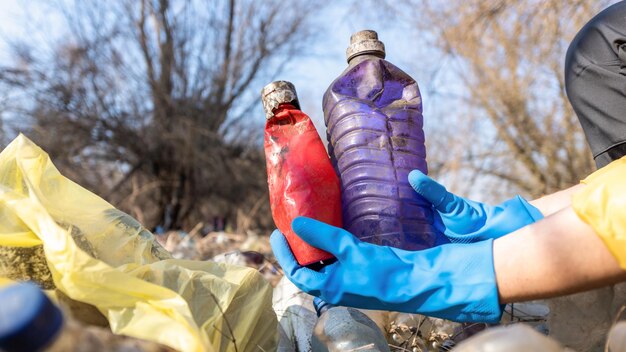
x=28, y=319
x=277, y=93
x=363, y=43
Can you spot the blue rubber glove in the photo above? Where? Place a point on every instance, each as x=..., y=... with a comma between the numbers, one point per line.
x=467, y=221
x=451, y=281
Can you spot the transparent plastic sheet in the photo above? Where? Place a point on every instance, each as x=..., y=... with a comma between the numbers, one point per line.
x=602, y=205
x=98, y=255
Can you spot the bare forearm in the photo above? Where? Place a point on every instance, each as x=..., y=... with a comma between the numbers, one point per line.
x=554, y=202
x=555, y=256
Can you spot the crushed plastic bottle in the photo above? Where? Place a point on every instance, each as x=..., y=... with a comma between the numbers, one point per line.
x=345, y=329
x=300, y=177
x=373, y=114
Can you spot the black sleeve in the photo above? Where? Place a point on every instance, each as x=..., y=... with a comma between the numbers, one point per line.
x=595, y=80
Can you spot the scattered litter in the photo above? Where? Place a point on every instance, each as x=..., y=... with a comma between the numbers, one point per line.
x=249, y=250
x=403, y=331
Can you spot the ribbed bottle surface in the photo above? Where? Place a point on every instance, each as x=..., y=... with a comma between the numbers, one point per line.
x=373, y=114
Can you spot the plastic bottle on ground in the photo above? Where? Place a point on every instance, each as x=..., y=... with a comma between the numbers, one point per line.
x=345, y=329
x=373, y=114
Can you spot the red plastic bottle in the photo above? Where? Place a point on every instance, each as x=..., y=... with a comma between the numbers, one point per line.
x=301, y=179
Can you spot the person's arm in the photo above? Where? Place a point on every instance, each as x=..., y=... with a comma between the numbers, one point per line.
x=467, y=221
x=554, y=202
x=558, y=255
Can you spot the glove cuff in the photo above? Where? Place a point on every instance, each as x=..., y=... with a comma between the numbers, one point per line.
x=483, y=303
x=455, y=282
x=533, y=212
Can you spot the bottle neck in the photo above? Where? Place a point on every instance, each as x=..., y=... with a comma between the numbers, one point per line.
x=285, y=106
x=281, y=115
x=321, y=306
x=360, y=58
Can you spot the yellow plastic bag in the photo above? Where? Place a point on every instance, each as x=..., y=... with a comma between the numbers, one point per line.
x=103, y=257
x=602, y=205
x=4, y=281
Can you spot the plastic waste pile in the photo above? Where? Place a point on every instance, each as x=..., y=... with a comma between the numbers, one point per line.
x=522, y=331
x=59, y=235
x=250, y=250
x=181, y=245
x=401, y=331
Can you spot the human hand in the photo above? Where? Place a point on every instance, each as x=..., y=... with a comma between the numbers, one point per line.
x=467, y=221
x=451, y=281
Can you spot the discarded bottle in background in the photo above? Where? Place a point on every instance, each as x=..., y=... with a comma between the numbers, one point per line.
x=373, y=114
x=300, y=177
x=29, y=321
x=345, y=329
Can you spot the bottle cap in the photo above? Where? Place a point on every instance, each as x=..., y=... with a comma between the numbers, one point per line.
x=28, y=319
x=365, y=42
x=277, y=93
x=321, y=306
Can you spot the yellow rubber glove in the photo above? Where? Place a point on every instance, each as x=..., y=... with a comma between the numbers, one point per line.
x=602, y=205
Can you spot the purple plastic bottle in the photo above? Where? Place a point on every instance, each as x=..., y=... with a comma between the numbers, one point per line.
x=373, y=115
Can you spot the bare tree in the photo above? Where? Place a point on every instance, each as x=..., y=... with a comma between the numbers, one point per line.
x=502, y=83
x=150, y=102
